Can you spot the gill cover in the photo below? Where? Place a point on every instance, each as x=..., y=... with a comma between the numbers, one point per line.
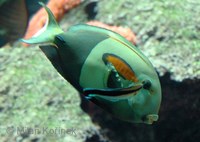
x=105, y=67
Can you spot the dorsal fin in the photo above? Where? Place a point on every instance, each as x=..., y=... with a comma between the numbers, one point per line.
x=48, y=32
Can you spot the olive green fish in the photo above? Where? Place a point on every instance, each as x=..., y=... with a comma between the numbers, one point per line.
x=104, y=67
x=13, y=20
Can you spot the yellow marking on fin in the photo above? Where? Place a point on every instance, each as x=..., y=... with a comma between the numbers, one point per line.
x=122, y=67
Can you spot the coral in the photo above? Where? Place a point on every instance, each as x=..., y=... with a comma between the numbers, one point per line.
x=125, y=32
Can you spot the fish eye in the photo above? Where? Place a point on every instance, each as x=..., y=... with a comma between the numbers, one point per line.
x=146, y=84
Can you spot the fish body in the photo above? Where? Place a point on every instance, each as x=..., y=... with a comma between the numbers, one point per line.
x=104, y=67
x=13, y=20
x=14, y=17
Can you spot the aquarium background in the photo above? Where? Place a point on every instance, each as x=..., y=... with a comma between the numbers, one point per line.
x=38, y=105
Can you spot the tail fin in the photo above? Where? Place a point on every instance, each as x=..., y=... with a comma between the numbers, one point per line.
x=48, y=32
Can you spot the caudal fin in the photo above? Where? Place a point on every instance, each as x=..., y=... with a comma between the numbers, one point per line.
x=48, y=32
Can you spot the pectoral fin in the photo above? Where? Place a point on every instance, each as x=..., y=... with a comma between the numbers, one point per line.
x=112, y=91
